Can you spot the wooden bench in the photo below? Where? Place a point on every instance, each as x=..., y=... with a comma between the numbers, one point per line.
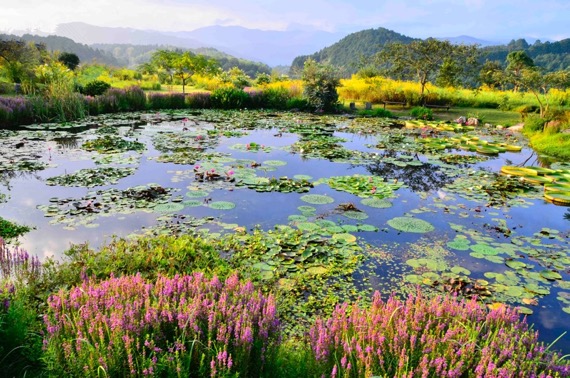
x=394, y=103
x=446, y=107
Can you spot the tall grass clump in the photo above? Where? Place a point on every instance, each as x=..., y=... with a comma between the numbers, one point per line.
x=122, y=100
x=20, y=344
x=16, y=111
x=181, y=326
x=198, y=100
x=438, y=337
x=166, y=101
x=229, y=98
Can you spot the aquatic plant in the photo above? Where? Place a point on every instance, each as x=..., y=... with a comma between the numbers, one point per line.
x=437, y=337
x=409, y=224
x=180, y=326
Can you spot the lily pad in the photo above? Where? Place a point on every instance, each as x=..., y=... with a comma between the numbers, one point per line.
x=222, y=205
x=551, y=275
x=409, y=224
x=317, y=199
x=168, y=207
x=358, y=215
x=349, y=238
x=379, y=203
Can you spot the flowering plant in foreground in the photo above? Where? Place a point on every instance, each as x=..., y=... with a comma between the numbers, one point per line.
x=180, y=326
x=439, y=337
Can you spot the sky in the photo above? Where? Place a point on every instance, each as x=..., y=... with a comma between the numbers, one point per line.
x=493, y=20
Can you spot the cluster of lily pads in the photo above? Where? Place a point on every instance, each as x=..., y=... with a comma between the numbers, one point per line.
x=556, y=182
x=91, y=177
x=108, y=144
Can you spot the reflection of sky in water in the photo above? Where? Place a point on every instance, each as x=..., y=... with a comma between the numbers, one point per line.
x=26, y=191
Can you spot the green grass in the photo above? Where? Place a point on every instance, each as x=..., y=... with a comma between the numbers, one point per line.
x=554, y=145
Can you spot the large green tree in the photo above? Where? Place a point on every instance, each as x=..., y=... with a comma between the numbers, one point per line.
x=429, y=60
x=533, y=80
x=18, y=59
x=187, y=64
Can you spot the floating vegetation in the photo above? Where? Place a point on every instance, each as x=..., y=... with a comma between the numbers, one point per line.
x=379, y=203
x=83, y=211
x=363, y=186
x=91, y=177
x=110, y=145
x=317, y=199
x=467, y=143
x=556, y=181
x=222, y=205
x=282, y=184
x=169, y=207
x=409, y=224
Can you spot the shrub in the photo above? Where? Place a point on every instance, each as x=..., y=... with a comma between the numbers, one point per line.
x=533, y=123
x=320, y=82
x=95, y=88
x=421, y=112
x=229, y=98
x=180, y=326
x=439, y=337
x=276, y=98
x=297, y=103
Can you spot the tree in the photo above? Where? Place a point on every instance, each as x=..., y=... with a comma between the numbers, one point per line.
x=162, y=63
x=320, y=82
x=539, y=84
x=18, y=59
x=427, y=60
x=187, y=64
x=492, y=74
x=70, y=60
x=516, y=62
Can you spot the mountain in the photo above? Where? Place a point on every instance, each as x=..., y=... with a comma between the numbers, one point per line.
x=268, y=46
x=63, y=44
x=552, y=56
x=468, y=40
x=133, y=55
x=347, y=52
x=91, y=34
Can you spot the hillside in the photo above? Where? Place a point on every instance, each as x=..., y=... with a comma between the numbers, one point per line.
x=62, y=44
x=347, y=52
x=133, y=55
x=552, y=56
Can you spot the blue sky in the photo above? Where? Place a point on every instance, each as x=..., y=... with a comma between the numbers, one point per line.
x=496, y=20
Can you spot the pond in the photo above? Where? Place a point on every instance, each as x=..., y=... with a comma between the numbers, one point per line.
x=426, y=202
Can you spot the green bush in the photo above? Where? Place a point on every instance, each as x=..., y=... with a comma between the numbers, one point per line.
x=276, y=98
x=229, y=98
x=320, y=82
x=421, y=112
x=297, y=103
x=533, y=123
x=95, y=88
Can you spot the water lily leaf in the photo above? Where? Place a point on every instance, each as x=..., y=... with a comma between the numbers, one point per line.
x=349, y=238
x=550, y=275
x=409, y=224
x=317, y=270
x=193, y=203
x=222, y=205
x=515, y=264
x=460, y=270
x=297, y=218
x=524, y=310
x=317, y=199
x=484, y=249
x=307, y=226
x=169, y=207
x=367, y=227
x=276, y=163
x=302, y=177
x=379, y=203
x=358, y=215
x=196, y=193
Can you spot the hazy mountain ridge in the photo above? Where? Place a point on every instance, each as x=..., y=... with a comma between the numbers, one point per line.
x=64, y=44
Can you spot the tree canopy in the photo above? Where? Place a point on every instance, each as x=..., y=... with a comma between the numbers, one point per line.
x=429, y=60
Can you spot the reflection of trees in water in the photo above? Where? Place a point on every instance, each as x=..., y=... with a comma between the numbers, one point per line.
x=418, y=178
x=67, y=142
x=7, y=176
x=567, y=215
